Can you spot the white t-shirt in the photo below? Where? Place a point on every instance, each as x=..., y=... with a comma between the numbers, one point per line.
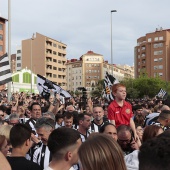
x=48, y=168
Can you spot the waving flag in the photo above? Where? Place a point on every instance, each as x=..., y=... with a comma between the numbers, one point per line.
x=5, y=72
x=46, y=87
x=161, y=94
x=108, y=83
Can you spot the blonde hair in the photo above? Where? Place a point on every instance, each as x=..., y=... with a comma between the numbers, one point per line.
x=5, y=130
x=101, y=152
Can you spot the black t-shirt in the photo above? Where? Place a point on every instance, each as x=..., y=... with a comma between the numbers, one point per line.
x=21, y=163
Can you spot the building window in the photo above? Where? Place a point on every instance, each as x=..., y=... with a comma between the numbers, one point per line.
x=59, y=46
x=149, y=39
x=54, y=52
x=54, y=60
x=160, y=59
x=54, y=45
x=160, y=74
x=18, y=51
x=59, y=61
x=18, y=58
x=138, y=49
x=54, y=68
x=18, y=64
x=158, y=52
x=1, y=37
x=0, y=26
x=156, y=38
x=0, y=47
x=54, y=76
x=161, y=38
x=160, y=66
x=158, y=45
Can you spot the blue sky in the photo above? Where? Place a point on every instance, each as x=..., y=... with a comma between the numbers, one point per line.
x=86, y=25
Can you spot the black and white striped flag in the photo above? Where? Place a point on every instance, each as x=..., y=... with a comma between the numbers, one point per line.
x=5, y=72
x=108, y=83
x=45, y=87
x=161, y=94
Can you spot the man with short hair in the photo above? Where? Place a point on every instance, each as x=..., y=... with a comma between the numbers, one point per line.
x=163, y=120
x=63, y=144
x=49, y=115
x=35, y=114
x=13, y=119
x=126, y=139
x=44, y=126
x=70, y=108
x=68, y=120
x=155, y=154
x=20, y=138
x=84, y=121
x=98, y=121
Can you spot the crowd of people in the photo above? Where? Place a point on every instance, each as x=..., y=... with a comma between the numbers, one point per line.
x=36, y=133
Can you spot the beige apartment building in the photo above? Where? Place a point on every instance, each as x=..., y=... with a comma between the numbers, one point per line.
x=45, y=56
x=152, y=54
x=85, y=72
x=90, y=68
x=2, y=36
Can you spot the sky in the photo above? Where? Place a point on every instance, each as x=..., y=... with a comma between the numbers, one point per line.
x=86, y=25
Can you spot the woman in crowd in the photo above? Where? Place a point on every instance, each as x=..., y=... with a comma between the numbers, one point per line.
x=5, y=131
x=139, y=131
x=151, y=131
x=3, y=145
x=110, y=129
x=101, y=155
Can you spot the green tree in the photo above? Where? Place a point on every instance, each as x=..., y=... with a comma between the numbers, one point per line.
x=145, y=86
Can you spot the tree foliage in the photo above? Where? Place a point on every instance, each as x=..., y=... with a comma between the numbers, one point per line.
x=145, y=86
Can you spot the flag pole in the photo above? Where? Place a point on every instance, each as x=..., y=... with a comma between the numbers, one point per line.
x=9, y=44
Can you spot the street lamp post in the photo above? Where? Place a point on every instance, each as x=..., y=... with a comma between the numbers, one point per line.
x=111, y=40
x=31, y=60
x=9, y=44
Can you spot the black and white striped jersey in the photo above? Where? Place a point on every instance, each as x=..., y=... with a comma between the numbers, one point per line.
x=42, y=156
x=30, y=123
x=84, y=137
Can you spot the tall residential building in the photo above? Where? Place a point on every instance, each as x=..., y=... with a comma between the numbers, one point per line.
x=85, y=72
x=90, y=68
x=2, y=36
x=152, y=54
x=19, y=58
x=45, y=56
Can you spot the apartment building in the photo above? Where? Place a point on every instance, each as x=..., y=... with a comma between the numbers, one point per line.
x=127, y=70
x=45, y=56
x=2, y=36
x=90, y=68
x=19, y=58
x=85, y=72
x=152, y=54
